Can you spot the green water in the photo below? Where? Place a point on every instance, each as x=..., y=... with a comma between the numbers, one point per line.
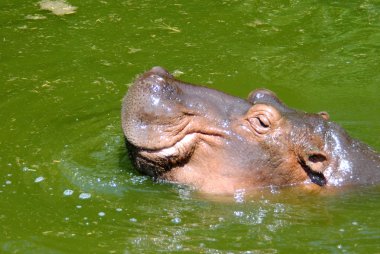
x=66, y=185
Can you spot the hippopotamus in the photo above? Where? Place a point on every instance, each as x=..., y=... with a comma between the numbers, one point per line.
x=218, y=143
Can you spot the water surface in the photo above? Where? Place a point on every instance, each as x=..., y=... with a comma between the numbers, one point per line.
x=66, y=184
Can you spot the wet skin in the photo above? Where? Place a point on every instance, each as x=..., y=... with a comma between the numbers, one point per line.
x=218, y=143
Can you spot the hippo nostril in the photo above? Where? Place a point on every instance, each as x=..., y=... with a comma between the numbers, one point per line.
x=316, y=160
x=314, y=167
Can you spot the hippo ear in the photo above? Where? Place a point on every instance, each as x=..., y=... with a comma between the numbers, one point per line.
x=262, y=118
x=160, y=71
x=263, y=96
x=324, y=115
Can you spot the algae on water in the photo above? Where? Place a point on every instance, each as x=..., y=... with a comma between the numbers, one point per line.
x=57, y=7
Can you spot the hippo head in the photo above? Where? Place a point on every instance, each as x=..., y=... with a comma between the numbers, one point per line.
x=219, y=143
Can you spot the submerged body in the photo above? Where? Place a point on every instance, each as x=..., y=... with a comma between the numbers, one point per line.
x=219, y=143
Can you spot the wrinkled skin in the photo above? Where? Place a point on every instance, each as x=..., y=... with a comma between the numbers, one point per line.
x=219, y=143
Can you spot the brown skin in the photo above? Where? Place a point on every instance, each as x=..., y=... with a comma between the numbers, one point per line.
x=219, y=143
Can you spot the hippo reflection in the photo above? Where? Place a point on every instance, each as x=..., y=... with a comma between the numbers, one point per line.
x=219, y=143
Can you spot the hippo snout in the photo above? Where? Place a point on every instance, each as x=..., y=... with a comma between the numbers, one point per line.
x=150, y=105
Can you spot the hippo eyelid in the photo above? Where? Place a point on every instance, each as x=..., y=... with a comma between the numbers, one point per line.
x=260, y=124
x=264, y=121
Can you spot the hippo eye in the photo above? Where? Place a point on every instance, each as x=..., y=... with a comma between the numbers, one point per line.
x=262, y=118
x=264, y=122
x=260, y=124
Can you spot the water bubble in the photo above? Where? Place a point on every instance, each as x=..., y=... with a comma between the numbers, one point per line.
x=84, y=195
x=177, y=73
x=68, y=192
x=101, y=214
x=35, y=17
x=133, y=220
x=138, y=179
x=184, y=193
x=25, y=169
x=176, y=220
x=8, y=182
x=239, y=196
x=39, y=179
x=119, y=209
x=279, y=208
x=274, y=189
x=238, y=213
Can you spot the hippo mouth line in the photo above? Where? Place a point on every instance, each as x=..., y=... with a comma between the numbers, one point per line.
x=176, y=148
x=176, y=155
x=156, y=162
x=315, y=177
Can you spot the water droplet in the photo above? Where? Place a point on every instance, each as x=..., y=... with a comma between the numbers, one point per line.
x=101, y=214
